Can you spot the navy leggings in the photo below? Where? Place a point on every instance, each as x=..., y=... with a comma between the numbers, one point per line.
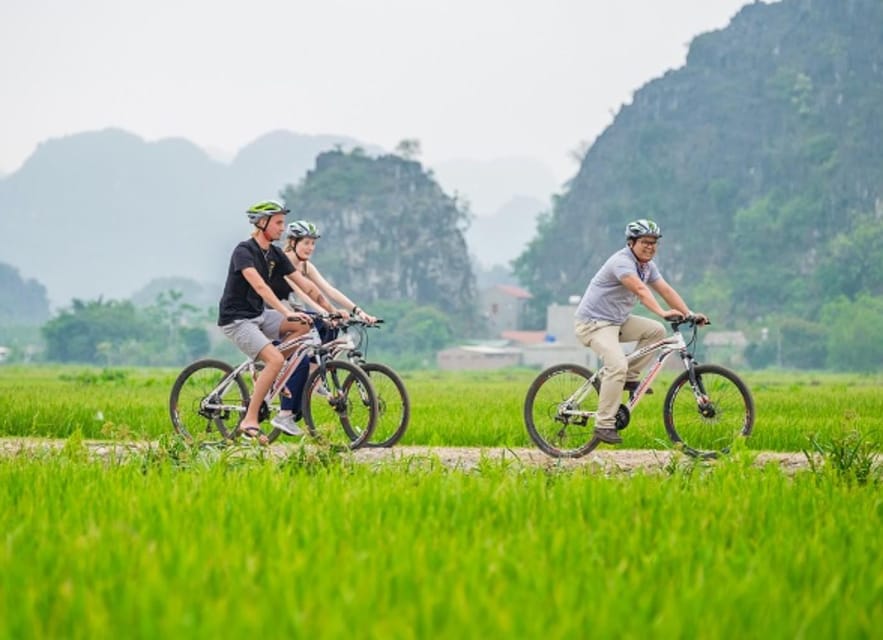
x=298, y=379
x=295, y=387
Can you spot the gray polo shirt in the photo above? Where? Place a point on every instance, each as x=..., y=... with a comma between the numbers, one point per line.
x=606, y=298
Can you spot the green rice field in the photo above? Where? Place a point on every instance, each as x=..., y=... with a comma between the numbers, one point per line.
x=480, y=409
x=177, y=541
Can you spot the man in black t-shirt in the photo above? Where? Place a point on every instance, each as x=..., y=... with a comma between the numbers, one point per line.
x=249, y=313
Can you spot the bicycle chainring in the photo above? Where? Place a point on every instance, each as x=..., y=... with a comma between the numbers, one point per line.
x=264, y=412
x=623, y=415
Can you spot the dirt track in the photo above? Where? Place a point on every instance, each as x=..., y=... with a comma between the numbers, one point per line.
x=603, y=459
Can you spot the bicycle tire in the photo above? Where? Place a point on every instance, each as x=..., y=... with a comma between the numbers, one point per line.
x=192, y=386
x=708, y=430
x=559, y=435
x=393, y=405
x=348, y=401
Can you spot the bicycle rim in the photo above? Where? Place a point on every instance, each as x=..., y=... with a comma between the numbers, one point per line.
x=553, y=423
x=393, y=405
x=724, y=414
x=340, y=405
x=194, y=414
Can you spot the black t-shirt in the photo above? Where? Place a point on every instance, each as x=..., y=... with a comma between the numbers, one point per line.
x=278, y=283
x=239, y=299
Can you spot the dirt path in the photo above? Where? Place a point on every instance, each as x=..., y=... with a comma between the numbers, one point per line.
x=466, y=458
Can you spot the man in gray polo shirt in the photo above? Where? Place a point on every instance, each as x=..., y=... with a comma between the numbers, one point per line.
x=604, y=317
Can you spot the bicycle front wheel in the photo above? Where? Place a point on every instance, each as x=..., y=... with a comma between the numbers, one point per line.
x=340, y=404
x=708, y=418
x=393, y=405
x=197, y=402
x=559, y=411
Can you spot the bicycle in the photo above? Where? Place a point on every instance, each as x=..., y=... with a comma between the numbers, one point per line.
x=210, y=394
x=393, y=403
x=706, y=408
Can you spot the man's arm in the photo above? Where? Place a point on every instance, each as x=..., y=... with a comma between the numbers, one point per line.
x=633, y=283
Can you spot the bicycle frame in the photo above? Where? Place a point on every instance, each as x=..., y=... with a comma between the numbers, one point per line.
x=666, y=346
x=304, y=345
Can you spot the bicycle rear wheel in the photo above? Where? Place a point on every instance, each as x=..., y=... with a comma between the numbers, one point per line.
x=561, y=424
x=194, y=411
x=393, y=405
x=340, y=404
x=708, y=421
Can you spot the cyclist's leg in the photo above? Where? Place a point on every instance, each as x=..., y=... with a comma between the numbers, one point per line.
x=295, y=387
x=603, y=338
x=273, y=359
x=248, y=336
x=276, y=325
x=644, y=331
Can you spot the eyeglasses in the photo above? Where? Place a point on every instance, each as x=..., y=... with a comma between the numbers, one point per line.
x=648, y=242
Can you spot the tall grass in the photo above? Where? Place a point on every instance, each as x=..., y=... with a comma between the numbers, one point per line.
x=465, y=408
x=233, y=547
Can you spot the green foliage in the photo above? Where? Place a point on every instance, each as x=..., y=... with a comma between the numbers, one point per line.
x=854, y=260
x=119, y=333
x=762, y=354
x=803, y=344
x=761, y=160
x=94, y=331
x=851, y=455
x=216, y=541
x=854, y=334
x=481, y=408
x=410, y=335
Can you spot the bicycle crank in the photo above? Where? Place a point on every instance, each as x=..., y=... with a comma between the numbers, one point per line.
x=623, y=415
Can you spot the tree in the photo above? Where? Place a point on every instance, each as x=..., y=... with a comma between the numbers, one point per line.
x=93, y=331
x=409, y=148
x=855, y=333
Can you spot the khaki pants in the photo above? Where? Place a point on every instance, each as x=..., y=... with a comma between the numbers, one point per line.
x=604, y=338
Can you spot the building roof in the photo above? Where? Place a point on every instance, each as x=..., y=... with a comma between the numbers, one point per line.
x=515, y=292
x=480, y=349
x=525, y=337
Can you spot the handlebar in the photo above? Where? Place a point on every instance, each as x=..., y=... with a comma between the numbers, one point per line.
x=692, y=320
x=356, y=320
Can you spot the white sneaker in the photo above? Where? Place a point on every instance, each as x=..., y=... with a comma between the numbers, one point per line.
x=286, y=424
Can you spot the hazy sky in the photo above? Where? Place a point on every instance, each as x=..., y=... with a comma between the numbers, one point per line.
x=474, y=79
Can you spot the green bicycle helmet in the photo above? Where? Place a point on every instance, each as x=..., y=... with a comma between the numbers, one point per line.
x=303, y=229
x=264, y=209
x=642, y=228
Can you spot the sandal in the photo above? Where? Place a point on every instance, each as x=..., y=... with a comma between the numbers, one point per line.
x=256, y=433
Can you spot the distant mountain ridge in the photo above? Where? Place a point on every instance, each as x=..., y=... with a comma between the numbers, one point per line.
x=118, y=212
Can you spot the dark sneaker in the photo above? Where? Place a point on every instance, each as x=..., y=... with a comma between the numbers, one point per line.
x=610, y=436
x=632, y=385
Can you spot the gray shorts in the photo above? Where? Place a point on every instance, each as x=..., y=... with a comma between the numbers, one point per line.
x=251, y=335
